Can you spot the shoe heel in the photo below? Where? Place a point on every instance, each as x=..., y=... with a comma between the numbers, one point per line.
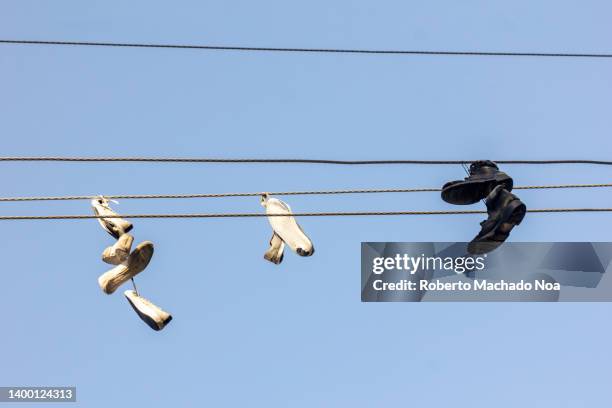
x=518, y=212
x=120, y=251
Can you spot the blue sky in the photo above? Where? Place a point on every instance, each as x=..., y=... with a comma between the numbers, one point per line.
x=249, y=333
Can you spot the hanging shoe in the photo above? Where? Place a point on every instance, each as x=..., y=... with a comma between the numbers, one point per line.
x=275, y=253
x=152, y=315
x=505, y=212
x=484, y=177
x=136, y=263
x=114, y=226
x=120, y=251
x=287, y=228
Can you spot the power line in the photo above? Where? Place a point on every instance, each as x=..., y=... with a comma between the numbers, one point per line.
x=287, y=161
x=306, y=214
x=562, y=186
x=278, y=193
x=220, y=195
x=311, y=50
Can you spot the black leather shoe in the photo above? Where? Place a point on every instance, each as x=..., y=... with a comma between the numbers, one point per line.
x=484, y=177
x=505, y=212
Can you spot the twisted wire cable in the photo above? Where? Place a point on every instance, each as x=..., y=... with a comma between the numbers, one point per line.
x=302, y=214
x=281, y=160
x=281, y=193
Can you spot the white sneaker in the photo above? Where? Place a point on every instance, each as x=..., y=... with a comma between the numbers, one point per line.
x=287, y=227
x=152, y=315
x=136, y=263
x=114, y=226
x=118, y=252
x=275, y=253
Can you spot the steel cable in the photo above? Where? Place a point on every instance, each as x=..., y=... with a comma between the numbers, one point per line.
x=287, y=161
x=279, y=193
x=311, y=50
x=303, y=214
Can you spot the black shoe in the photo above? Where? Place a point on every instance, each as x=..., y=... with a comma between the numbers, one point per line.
x=484, y=177
x=505, y=212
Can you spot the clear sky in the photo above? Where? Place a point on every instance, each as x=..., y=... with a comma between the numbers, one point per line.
x=249, y=333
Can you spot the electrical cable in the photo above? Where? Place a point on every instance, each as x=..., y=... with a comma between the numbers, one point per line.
x=304, y=214
x=310, y=50
x=298, y=161
x=279, y=193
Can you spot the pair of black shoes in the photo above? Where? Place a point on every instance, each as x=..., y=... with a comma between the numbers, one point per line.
x=505, y=210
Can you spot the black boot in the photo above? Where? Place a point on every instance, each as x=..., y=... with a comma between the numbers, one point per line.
x=484, y=177
x=505, y=212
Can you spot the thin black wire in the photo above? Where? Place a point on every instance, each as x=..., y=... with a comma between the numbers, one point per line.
x=219, y=195
x=302, y=161
x=306, y=214
x=279, y=193
x=312, y=50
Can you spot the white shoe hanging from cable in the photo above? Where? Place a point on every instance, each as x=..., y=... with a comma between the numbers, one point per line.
x=275, y=253
x=119, y=252
x=136, y=263
x=114, y=226
x=152, y=315
x=128, y=264
x=286, y=229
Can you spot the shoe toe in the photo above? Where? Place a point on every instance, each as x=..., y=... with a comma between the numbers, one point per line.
x=450, y=183
x=482, y=247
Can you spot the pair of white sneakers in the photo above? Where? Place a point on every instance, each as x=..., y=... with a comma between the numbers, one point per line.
x=128, y=264
x=286, y=230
